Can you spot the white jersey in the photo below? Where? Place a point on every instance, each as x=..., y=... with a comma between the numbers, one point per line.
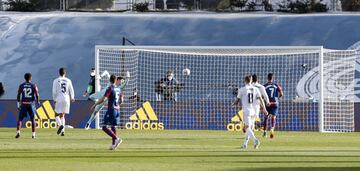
x=248, y=95
x=63, y=90
x=263, y=94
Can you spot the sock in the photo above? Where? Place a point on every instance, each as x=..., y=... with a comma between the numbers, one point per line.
x=265, y=123
x=92, y=118
x=58, y=120
x=63, y=123
x=109, y=132
x=18, y=126
x=251, y=134
x=113, y=129
x=273, y=122
x=33, y=134
x=94, y=113
x=246, y=140
x=33, y=125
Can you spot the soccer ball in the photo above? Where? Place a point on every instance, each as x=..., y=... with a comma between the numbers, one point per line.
x=186, y=72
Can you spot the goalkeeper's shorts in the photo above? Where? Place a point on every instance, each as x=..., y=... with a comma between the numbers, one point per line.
x=96, y=96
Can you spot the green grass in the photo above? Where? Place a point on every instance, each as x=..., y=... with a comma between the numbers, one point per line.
x=177, y=150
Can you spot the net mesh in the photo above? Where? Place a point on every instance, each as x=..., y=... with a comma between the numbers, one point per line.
x=202, y=99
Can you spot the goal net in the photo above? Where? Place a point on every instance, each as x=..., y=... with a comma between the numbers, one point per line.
x=318, y=85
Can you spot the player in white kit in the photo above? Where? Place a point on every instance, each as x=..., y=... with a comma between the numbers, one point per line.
x=263, y=94
x=63, y=93
x=247, y=95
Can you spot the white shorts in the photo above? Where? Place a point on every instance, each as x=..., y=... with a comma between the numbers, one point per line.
x=62, y=107
x=249, y=120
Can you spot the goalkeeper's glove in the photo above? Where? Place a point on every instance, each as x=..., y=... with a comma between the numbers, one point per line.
x=18, y=105
x=127, y=74
x=105, y=73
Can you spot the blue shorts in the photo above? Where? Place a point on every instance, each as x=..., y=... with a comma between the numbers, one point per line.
x=112, y=117
x=26, y=110
x=273, y=110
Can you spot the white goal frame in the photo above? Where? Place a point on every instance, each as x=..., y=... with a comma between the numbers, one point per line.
x=318, y=49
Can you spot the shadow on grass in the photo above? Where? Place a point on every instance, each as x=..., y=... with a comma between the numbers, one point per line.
x=300, y=169
x=195, y=151
x=240, y=158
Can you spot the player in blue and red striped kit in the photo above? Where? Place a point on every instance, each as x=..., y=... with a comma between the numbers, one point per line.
x=274, y=92
x=27, y=96
x=112, y=117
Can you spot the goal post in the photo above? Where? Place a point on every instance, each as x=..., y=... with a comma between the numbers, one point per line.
x=338, y=90
x=321, y=89
x=318, y=84
x=97, y=83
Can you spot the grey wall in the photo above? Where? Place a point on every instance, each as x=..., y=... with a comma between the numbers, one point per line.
x=40, y=43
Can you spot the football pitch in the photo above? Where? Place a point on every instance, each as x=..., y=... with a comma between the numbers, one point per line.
x=83, y=150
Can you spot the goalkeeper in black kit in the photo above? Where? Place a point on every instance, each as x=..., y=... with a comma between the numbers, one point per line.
x=167, y=88
x=91, y=85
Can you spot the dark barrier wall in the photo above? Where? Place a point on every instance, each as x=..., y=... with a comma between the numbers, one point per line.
x=357, y=117
x=79, y=113
x=213, y=115
x=176, y=116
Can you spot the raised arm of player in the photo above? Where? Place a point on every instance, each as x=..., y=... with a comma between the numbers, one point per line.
x=105, y=74
x=176, y=81
x=127, y=78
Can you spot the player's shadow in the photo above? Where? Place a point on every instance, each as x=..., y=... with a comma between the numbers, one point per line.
x=158, y=154
x=229, y=153
x=300, y=169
